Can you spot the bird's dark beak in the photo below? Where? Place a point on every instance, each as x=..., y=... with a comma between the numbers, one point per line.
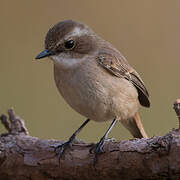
x=43, y=54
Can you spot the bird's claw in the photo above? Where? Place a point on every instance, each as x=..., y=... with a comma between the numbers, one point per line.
x=98, y=149
x=60, y=149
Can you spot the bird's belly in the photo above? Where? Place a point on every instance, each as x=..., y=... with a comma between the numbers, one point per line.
x=99, y=100
x=88, y=102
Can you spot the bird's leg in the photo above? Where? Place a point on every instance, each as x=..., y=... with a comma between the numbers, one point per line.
x=99, y=145
x=60, y=149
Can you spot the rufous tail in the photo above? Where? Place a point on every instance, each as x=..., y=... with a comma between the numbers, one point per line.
x=135, y=126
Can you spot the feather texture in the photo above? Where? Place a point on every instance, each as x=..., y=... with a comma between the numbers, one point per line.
x=120, y=68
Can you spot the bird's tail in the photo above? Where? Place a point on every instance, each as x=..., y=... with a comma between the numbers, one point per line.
x=135, y=126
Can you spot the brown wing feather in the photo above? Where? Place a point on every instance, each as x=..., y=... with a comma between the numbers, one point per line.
x=120, y=68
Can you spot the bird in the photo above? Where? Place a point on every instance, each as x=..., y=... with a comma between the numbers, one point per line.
x=95, y=79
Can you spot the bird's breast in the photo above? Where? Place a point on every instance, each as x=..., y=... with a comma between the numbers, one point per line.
x=95, y=94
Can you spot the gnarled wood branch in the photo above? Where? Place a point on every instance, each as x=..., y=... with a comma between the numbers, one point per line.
x=23, y=157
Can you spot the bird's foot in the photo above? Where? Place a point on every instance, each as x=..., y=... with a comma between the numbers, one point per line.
x=60, y=149
x=98, y=149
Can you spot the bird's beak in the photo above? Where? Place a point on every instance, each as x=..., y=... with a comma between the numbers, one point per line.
x=43, y=54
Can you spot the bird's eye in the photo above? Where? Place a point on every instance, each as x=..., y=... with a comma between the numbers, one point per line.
x=69, y=44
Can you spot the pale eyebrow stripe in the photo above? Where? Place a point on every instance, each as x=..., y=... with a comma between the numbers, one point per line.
x=76, y=32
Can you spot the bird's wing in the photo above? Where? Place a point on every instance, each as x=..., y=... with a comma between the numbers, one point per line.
x=118, y=66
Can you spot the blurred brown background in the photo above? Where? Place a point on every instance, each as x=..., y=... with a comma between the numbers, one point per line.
x=146, y=32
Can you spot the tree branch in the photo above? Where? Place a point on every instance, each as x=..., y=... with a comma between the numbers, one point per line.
x=23, y=157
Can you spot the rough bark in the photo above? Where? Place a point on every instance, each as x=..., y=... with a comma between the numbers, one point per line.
x=23, y=157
